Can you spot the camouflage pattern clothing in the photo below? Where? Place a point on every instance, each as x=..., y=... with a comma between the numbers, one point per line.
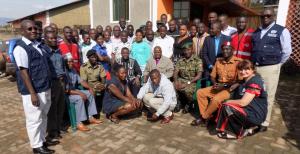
x=187, y=70
x=93, y=76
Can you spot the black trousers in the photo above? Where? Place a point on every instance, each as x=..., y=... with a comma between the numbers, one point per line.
x=134, y=89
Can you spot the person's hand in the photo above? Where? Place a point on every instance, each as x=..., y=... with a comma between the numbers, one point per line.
x=218, y=87
x=137, y=81
x=83, y=96
x=92, y=91
x=99, y=87
x=35, y=100
x=177, y=85
x=233, y=87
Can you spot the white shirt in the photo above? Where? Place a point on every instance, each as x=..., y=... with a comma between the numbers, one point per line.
x=84, y=48
x=285, y=41
x=115, y=40
x=20, y=54
x=164, y=90
x=150, y=43
x=109, y=48
x=229, y=31
x=166, y=45
x=117, y=49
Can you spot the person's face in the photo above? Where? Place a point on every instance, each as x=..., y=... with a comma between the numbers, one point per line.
x=51, y=39
x=162, y=32
x=241, y=24
x=196, y=21
x=54, y=27
x=125, y=54
x=86, y=39
x=223, y=21
x=193, y=31
x=68, y=33
x=30, y=31
x=227, y=51
x=130, y=30
x=93, y=59
x=138, y=37
x=124, y=37
x=116, y=31
x=155, y=78
x=201, y=29
x=164, y=18
x=246, y=73
x=267, y=18
x=106, y=36
x=39, y=32
x=122, y=23
x=108, y=28
x=157, y=53
x=172, y=26
x=214, y=30
x=92, y=34
x=122, y=74
x=150, y=35
x=100, y=40
x=212, y=17
x=149, y=25
x=49, y=29
x=179, y=22
x=182, y=30
x=70, y=64
x=75, y=36
x=188, y=52
x=99, y=29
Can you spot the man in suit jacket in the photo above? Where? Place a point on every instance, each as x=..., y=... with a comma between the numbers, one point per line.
x=212, y=47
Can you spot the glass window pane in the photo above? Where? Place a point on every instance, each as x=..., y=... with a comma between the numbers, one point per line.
x=120, y=9
x=177, y=5
x=185, y=5
x=176, y=13
x=184, y=13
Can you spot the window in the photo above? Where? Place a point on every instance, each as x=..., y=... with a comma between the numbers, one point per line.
x=181, y=9
x=120, y=8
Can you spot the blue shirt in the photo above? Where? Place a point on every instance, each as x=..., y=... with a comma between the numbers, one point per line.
x=73, y=80
x=217, y=41
x=101, y=50
x=141, y=52
x=56, y=64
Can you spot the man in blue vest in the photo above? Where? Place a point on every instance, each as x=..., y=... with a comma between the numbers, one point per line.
x=271, y=48
x=33, y=80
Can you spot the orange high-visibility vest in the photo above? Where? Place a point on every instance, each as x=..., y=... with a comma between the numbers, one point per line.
x=242, y=48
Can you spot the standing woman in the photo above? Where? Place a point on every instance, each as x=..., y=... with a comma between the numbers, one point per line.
x=140, y=50
x=248, y=107
x=180, y=40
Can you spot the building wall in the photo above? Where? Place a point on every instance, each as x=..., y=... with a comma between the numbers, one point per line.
x=164, y=7
x=70, y=15
x=41, y=17
x=138, y=15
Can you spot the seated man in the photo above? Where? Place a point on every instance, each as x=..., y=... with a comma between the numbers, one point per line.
x=187, y=71
x=223, y=76
x=159, y=62
x=118, y=99
x=134, y=72
x=94, y=74
x=159, y=94
x=80, y=97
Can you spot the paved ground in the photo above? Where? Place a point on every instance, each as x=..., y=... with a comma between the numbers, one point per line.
x=139, y=136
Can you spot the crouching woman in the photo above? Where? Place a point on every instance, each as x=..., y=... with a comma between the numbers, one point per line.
x=248, y=108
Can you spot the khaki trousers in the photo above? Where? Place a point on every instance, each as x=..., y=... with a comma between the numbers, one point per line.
x=151, y=101
x=270, y=75
x=215, y=100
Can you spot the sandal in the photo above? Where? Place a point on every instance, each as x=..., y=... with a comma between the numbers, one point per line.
x=224, y=135
x=114, y=120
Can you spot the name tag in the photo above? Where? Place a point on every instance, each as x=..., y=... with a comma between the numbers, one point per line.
x=272, y=35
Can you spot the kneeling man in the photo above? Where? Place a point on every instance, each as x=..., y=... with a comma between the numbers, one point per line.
x=159, y=94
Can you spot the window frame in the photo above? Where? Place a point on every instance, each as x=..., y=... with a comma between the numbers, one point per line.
x=111, y=11
x=189, y=10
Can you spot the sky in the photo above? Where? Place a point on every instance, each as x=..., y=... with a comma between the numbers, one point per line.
x=20, y=8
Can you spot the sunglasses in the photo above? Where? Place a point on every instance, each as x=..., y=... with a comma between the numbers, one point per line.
x=266, y=16
x=31, y=28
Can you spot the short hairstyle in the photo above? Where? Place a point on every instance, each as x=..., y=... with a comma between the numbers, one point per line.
x=38, y=23
x=163, y=26
x=116, y=67
x=139, y=31
x=124, y=48
x=24, y=22
x=245, y=64
x=67, y=27
x=223, y=15
x=154, y=72
x=98, y=35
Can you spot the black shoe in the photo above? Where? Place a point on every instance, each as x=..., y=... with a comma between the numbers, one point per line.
x=262, y=128
x=42, y=150
x=63, y=132
x=49, y=143
x=199, y=122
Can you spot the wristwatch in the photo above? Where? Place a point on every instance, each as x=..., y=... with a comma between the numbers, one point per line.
x=189, y=82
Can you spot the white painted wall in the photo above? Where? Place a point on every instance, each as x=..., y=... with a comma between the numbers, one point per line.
x=282, y=12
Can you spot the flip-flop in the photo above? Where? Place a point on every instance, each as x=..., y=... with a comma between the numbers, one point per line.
x=224, y=135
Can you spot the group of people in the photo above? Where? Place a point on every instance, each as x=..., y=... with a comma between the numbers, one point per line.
x=221, y=75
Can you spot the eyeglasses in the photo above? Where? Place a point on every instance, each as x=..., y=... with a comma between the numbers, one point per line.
x=31, y=28
x=266, y=16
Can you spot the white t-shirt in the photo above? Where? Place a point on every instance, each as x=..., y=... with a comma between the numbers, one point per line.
x=229, y=31
x=84, y=48
x=166, y=45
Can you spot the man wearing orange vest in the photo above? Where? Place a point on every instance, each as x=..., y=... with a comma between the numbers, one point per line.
x=241, y=40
